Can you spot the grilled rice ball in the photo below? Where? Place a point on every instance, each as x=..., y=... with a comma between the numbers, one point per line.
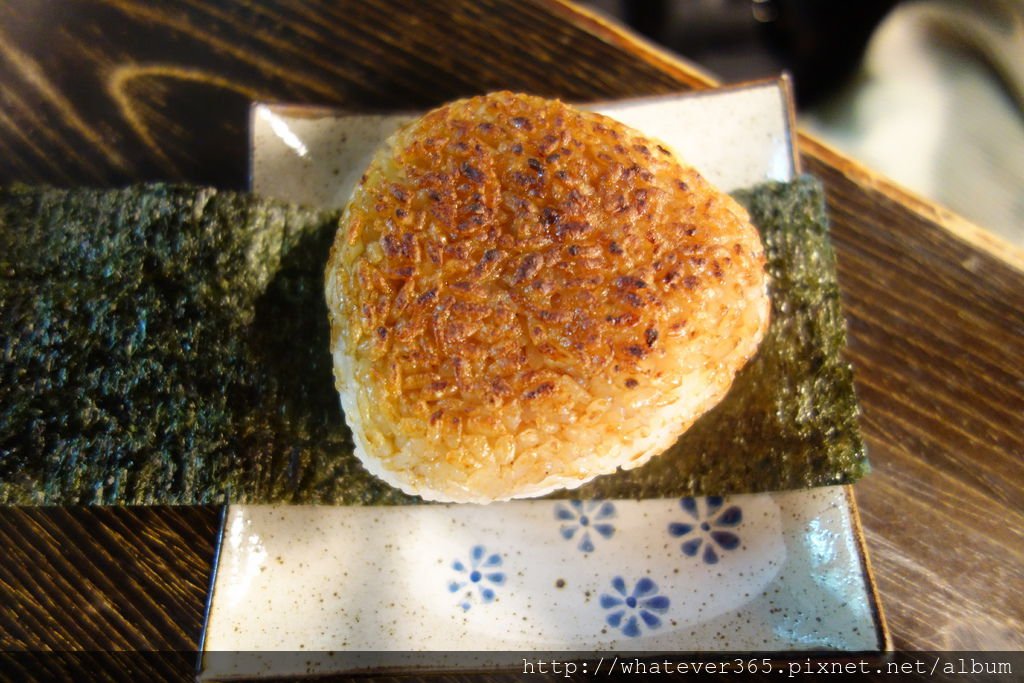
x=524, y=296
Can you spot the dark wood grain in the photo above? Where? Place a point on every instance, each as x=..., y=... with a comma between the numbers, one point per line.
x=109, y=93
x=78, y=584
x=936, y=337
x=935, y=311
x=104, y=93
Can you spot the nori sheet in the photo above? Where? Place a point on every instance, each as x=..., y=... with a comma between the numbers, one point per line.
x=170, y=345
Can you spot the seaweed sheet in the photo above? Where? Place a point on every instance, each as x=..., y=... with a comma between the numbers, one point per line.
x=170, y=345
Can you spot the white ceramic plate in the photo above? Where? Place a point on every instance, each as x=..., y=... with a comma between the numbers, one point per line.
x=767, y=572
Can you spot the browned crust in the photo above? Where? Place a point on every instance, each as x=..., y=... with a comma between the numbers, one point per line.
x=508, y=241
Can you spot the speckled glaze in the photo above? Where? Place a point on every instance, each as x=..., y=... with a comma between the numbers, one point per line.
x=767, y=572
x=735, y=137
x=773, y=572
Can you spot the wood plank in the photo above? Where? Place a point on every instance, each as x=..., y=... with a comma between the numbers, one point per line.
x=132, y=579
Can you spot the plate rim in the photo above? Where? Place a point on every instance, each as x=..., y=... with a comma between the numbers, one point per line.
x=783, y=83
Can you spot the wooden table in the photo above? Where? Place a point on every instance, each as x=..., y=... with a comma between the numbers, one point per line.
x=106, y=93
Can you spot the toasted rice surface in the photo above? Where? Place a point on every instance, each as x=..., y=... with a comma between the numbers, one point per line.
x=524, y=296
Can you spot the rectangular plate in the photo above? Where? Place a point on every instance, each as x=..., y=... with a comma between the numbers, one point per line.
x=766, y=572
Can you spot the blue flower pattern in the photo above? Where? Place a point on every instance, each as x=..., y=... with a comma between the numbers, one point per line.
x=479, y=576
x=710, y=530
x=583, y=517
x=628, y=609
x=632, y=611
